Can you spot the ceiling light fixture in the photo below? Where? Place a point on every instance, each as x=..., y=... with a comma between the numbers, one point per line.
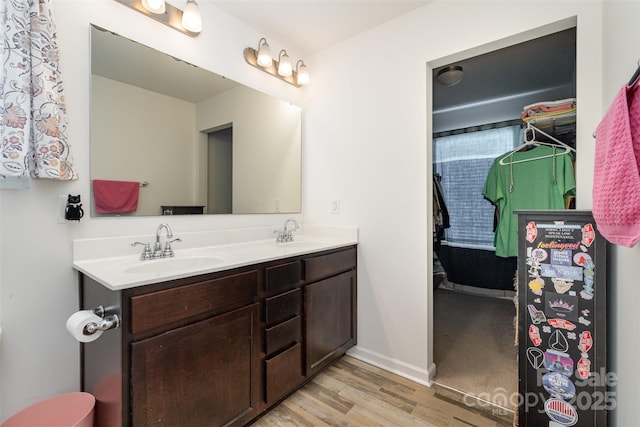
x=450, y=75
x=188, y=21
x=281, y=69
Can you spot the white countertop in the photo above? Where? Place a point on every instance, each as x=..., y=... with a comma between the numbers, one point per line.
x=116, y=265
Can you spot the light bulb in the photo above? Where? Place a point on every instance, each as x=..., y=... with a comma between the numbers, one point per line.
x=284, y=67
x=154, y=6
x=191, y=19
x=264, y=54
x=303, y=74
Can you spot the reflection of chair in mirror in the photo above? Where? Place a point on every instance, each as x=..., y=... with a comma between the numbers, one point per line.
x=182, y=210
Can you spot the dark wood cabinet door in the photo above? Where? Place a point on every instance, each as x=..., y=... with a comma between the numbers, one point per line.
x=203, y=374
x=330, y=324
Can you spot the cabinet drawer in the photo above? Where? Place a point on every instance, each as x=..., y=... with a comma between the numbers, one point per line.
x=176, y=305
x=282, y=278
x=283, y=335
x=327, y=265
x=283, y=373
x=282, y=307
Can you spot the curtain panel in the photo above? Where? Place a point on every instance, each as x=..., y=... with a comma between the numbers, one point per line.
x=463, y=161
x=33, y=124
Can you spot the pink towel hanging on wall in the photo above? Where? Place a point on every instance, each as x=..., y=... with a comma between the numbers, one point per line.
x=115, y=196
x=616, y=183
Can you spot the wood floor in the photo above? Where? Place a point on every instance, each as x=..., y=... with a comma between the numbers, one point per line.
x=353, y=393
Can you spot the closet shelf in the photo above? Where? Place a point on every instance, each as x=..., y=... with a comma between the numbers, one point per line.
x=561, y=126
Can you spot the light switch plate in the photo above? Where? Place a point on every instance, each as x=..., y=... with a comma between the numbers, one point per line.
x=335, y=206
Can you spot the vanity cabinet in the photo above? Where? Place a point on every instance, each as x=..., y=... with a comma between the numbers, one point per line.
x=221, y=348
x=283, y=330
x=205, y=372
x=330, y=307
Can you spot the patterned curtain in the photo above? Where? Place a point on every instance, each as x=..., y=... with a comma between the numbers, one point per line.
x=33, y=124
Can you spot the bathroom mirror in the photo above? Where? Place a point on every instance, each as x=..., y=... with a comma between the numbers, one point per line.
x=196, y=142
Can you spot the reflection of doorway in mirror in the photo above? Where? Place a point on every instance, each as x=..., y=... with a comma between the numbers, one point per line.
x=219, y=180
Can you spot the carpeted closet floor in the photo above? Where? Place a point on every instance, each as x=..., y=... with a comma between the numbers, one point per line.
x=474, y=349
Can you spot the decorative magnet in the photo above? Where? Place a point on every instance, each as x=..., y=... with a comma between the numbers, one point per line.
x=558, y=386
x=584, y=321
x=532, y=232
x=580, y=258
x=539, y=254
x=586, y=342
x=563, y=306
x=534, y=335
x=537, y=316
x=562, y=324
x=556, y=361
x=588, y=235
x=584, y=368
x=561, y=286
x=558, y=342
x=536, y=285
x=535, y=356
x=561, y=412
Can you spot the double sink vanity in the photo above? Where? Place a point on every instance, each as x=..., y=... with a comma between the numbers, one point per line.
x=220, y=332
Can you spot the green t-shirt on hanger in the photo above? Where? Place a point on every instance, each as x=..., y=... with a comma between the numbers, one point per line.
x=537, y=179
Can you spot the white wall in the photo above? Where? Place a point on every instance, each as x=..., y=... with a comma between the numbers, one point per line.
x=620, y=60
x=266, y=148
x=366, y=142
x=122, y=150
x=38, y=287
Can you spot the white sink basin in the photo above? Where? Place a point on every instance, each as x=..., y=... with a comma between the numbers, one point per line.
x=178, y=264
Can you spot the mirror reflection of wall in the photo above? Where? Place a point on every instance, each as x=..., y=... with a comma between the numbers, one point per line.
x=144, y=128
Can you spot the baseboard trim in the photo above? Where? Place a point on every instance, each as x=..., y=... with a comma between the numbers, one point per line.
x=405, y=370
x=475, y=403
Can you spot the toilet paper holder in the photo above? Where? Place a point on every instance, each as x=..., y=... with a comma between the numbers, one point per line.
x=111, y=321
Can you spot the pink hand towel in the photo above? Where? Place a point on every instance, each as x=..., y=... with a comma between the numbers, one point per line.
x=115, y=196
x=616, y=181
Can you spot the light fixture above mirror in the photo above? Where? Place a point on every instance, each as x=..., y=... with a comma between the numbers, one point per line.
x=188, y=21
x=154, y=6
x=281, y=69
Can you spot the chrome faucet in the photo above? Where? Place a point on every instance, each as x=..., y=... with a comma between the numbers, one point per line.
x=158, y=252
x=286, y=235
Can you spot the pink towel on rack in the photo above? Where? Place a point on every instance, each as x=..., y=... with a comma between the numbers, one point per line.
x=115, y=196
x=616, y=181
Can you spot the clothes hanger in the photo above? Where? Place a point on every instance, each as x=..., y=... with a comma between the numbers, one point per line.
x=532, y=142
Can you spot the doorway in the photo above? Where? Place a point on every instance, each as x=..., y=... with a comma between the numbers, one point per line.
x=220, y=171
x=473, y=289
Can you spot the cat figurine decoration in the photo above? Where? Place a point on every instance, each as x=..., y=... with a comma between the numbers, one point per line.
x=73, y=211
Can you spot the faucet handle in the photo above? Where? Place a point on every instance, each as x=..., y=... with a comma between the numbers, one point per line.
x=168, y=250
x=280, y=235
x=146, y=252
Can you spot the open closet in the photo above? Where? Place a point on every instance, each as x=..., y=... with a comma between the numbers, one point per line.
x=503, y=139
